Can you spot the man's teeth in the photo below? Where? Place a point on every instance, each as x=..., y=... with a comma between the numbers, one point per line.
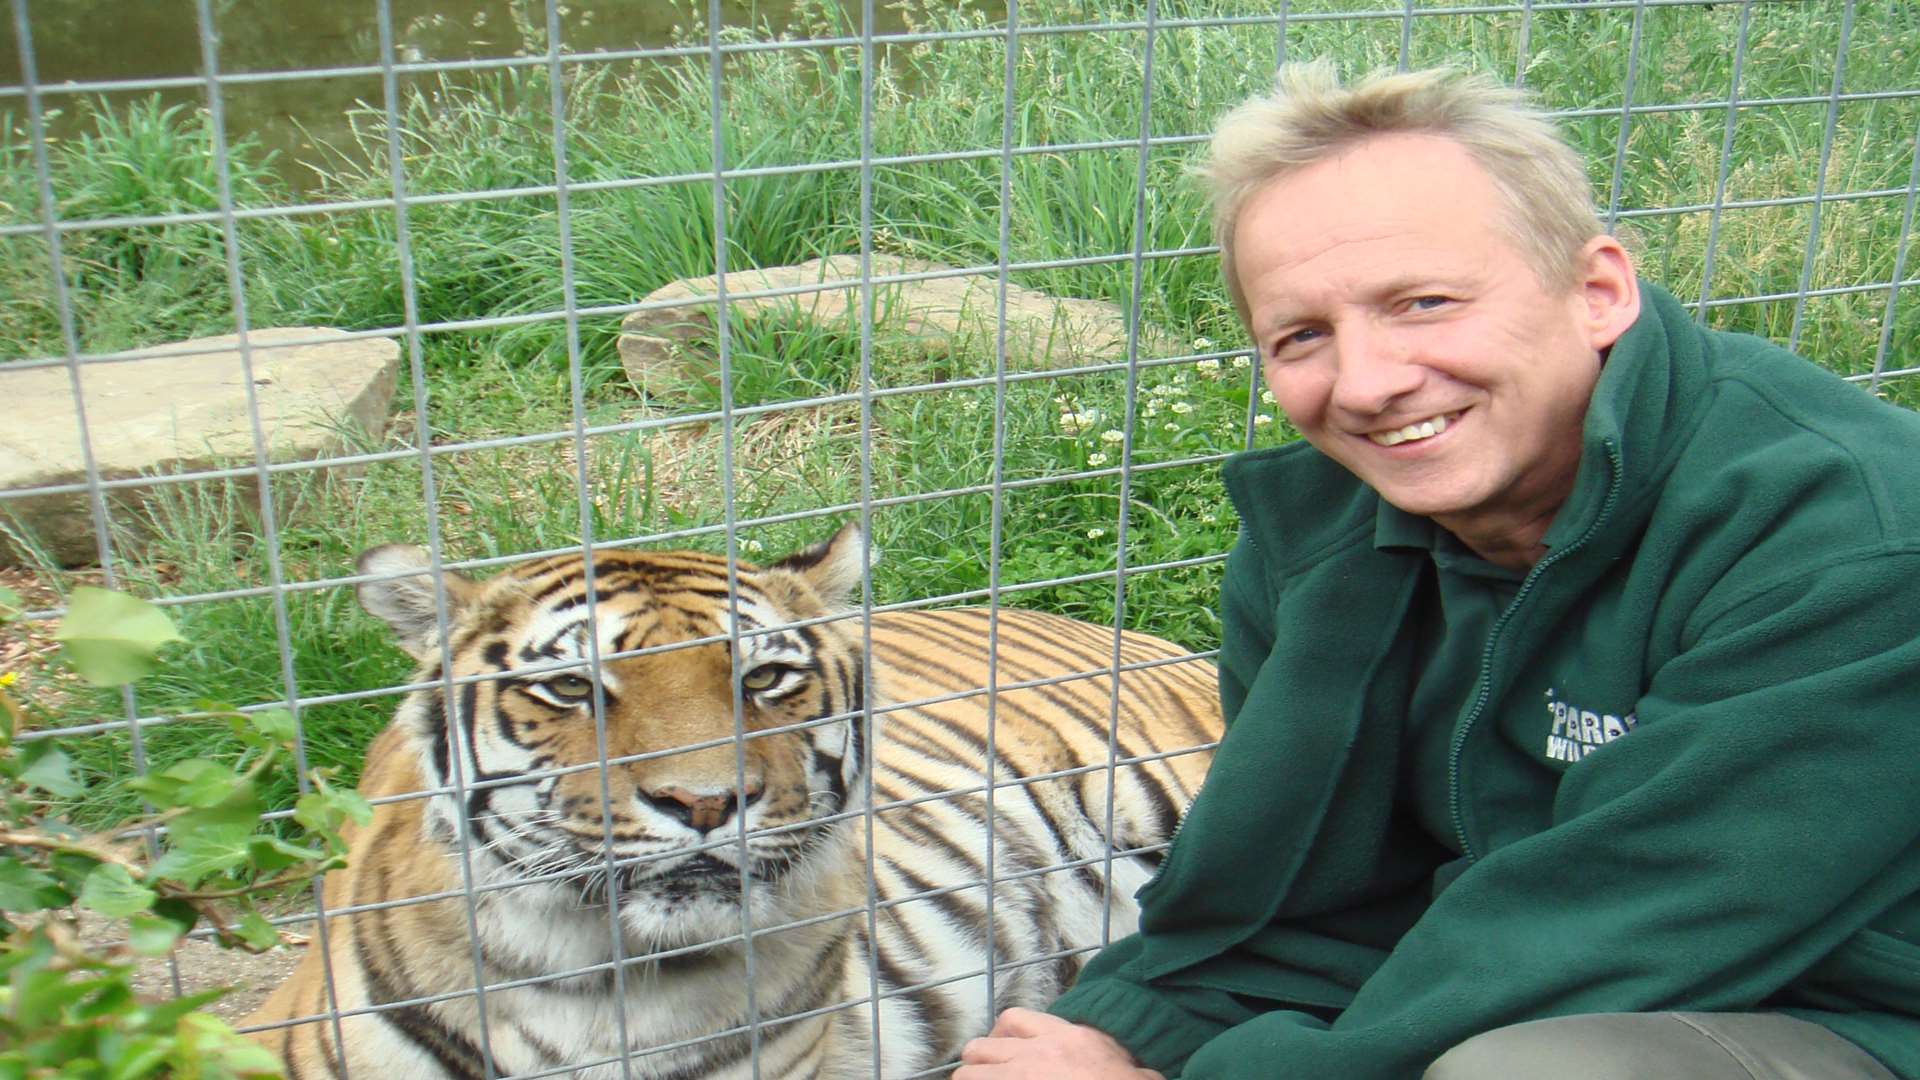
x=1425, y=429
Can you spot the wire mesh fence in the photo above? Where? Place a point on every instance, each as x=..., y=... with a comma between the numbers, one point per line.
x=1002, y=350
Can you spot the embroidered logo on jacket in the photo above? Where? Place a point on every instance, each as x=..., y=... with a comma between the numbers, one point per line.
x=1577, y=732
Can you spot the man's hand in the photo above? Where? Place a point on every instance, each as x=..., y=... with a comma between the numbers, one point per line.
x=1028, y=1045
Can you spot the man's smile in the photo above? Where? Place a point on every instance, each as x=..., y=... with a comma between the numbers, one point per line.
x=1414, y=432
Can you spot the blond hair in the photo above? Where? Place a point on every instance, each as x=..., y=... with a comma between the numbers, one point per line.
x=1310, y=117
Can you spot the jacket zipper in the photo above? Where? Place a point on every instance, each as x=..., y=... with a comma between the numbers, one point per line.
x=1485, y=691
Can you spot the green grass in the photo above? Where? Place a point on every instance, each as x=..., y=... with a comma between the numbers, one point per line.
x=931, y=447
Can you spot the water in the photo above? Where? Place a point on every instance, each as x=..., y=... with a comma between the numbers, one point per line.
x=97, y=40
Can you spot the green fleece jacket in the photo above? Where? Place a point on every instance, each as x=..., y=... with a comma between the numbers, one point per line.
x=1687, y=776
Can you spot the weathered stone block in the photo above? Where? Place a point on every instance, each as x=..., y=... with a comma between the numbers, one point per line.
x=936, y=316
x=163, y=414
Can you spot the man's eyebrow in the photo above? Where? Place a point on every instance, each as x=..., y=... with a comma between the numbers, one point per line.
x=1415, y=283
x=1273, y=321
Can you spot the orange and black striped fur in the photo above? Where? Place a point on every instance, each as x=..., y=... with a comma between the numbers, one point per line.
x=729, y=943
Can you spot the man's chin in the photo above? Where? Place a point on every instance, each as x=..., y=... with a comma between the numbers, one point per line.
x=1432, y=500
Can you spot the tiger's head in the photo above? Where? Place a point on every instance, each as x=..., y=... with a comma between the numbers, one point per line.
x=728, y=725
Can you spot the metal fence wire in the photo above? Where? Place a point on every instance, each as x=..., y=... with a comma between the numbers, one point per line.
x=1764, y=158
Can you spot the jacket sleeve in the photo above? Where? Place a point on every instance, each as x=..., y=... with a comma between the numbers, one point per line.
x=1760, y=815
x=1161, y=1025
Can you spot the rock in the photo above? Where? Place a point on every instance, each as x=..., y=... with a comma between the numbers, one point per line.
x=163, y=414
x=938, y=317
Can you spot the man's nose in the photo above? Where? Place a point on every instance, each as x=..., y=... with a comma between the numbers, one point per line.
x=1375, y=369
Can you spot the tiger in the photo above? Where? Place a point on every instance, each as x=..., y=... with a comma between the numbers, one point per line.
x=758, y=854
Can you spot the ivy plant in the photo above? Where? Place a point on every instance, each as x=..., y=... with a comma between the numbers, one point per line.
x=67, y=1005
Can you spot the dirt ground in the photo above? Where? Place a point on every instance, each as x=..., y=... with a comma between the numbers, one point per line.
x=204, y=965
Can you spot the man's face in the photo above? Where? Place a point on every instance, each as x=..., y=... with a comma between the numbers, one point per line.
x=1407, y=337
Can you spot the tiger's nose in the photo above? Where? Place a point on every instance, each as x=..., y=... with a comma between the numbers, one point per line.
x=703, y=811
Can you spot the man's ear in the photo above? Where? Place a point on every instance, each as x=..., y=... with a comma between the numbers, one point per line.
x=1609, y=290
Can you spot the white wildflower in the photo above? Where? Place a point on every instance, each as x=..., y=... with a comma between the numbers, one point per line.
x=1266, y=397
x=1096, y=533
x=970, y=406
x=1170, y=426
x=1202, y=344
x=1209, y=366
x=1262, y=420
x=1113, y=437
x=1182, y=407
x=750, y=546
x=1096, y=458
x=1242, y=362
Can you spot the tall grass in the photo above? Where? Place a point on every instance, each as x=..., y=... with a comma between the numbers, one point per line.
x=929, y=452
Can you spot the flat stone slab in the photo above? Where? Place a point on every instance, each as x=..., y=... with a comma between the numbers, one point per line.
x=660, y=347
x=164, y=413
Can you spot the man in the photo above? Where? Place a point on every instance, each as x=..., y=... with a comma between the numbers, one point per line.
x=1571, y=662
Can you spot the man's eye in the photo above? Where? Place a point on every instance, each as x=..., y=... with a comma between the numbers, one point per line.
x=1303, y=336
x=1428, y=303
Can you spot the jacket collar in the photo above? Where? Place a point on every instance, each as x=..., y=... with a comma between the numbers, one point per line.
x=1654, y=381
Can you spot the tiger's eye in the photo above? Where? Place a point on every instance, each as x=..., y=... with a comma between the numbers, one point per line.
x=763, y=677
x=574, y=687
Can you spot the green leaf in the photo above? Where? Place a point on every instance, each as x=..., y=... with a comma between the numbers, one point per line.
x=112, y=892
x=314, y=813
x=112, y=638
x=256, y=931
x=10, y=605
x=72, y=869
x=178, y=912
x=141, y=1056
x=152, y=935
x=195, y=782
x=22, y=888
x=114, y=998
x=249, y=1060
x=197, y=851
x=207, y=1039
x=165, y=1015
x=48, y=768
x=270, y=853
x=326, y=808
x=41, y=996
x=275, y=724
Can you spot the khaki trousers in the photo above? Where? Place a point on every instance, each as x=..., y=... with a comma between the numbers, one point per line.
x=1660, y=1046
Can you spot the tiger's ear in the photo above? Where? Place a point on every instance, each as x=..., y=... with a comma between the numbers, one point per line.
x=407, y=603
x=833, y=568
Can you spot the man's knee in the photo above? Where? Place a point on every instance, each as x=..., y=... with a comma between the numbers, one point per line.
x=1518, y=1052
x=1632, y=1046
x=1599, y=1046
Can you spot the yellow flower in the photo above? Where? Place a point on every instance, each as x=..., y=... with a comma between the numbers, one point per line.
x=8, y=679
